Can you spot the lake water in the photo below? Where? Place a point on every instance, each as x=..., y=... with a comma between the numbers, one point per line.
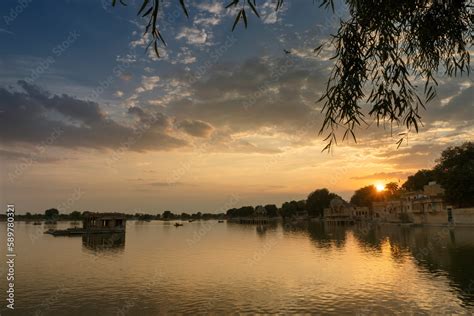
x=209, y=267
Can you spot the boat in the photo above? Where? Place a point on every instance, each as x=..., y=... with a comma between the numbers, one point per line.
x=191, y=220
x=37, y=223
x=66, y=232
x=220, y=221
x=178, y=224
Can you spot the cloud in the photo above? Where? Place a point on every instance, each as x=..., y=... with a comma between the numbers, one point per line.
x=148, y=83
x=196, y=128
x=384, y=175
x=211, y=7
x=6, y=31
x=193, y=36
x=8, y=155
x=32, y=116
x=251, y=97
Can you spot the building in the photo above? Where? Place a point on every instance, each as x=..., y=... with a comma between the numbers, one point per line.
x=339, y=212
x=104, y=222
x=95, y=223
x=361, y=213
x=388, y=211
x=418, y=207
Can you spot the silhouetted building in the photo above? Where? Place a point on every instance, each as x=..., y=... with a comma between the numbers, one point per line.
x=104, y=222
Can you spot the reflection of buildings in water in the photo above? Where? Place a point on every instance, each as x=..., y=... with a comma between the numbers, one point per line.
x=104, y=242
x=449, y=250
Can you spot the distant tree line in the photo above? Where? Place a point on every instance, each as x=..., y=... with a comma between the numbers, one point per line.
x=313, y=206
x=53, y=214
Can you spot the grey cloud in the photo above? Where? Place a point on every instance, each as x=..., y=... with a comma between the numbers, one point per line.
x=31, y=116
x=415, y=157
x=253, y=95
x=196, y=128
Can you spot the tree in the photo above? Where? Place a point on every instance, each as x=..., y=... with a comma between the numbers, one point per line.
x=384, y=43
x=245, y=211
x=392, y=190
x=301, y=205
x=272, y=210
x=319, y=200
x=75, y=215
x=51, y=213
x=419, y=179
x=167, y=215
x=289, y=209
x=366, y=195
x=455, y=172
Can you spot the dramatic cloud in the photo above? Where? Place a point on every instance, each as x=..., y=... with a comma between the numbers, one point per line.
x=33, y=116
x=255, y=95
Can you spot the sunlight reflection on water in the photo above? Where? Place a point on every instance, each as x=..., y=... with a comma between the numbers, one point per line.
x=205, y=267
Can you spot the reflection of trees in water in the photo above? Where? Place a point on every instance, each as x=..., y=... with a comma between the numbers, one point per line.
x=450, y=251
x=439, y=250
x=368, y=236
x=104, y=242
x=372, y=236
x=325, y=235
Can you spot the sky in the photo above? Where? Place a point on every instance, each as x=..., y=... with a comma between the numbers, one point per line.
x=91, y=120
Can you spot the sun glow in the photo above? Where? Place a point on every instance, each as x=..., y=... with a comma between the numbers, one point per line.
x=379, y=187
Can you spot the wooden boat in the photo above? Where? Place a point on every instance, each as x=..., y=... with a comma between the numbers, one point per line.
x=220, y=221
x=178, y=224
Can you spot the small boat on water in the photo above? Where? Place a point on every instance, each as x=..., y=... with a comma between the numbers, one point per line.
x=178, y=224
x=220, y=221
x=66, y=232
x=37, y=223
x=191, y=220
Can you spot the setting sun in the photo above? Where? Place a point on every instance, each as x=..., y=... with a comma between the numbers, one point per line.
x=380, y=187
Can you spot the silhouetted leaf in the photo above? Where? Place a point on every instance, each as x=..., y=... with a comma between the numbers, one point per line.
x=252, y=6
x=144, y=4
x=237, y=18
x=183, y=6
